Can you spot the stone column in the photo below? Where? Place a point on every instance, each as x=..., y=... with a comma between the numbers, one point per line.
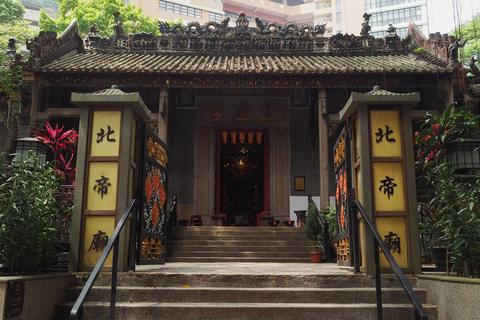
x=384, y=175
x=104, y=181
x=204, y=181
x=280, y=173
x=323, y=150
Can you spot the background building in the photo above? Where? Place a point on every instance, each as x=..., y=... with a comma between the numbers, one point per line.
x=182, y=10
x=33, y=7
x=399, y=13
x=302, y=12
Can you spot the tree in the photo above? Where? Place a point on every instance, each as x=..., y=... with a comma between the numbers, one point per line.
x=99, y=13
x=470, y=32
x=13, y=27
x=11, y=10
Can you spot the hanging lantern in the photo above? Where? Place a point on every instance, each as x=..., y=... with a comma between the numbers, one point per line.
x=250, y=137
x=233, y=134
x=241, y=136
x=259, y=137
x=465, y=154
x=30, y=147
x=225, y=137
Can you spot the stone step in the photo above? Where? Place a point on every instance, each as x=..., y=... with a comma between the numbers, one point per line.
x=245, y=311
x=159, y=279
x=243, y=237
x=291, y=232
x=246, y=295
x=247, y=254
x=229, y=248
x=238, y=259
x=229, y=242
x=239, y=229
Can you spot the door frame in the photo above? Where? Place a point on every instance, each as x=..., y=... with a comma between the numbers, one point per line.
x=266, y=172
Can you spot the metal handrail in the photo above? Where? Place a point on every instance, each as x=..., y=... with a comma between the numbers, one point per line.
x=172, y=218
x=378, y=242
x=112, y=244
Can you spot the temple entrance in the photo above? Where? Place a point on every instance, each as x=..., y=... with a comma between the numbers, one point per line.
x=241, y=176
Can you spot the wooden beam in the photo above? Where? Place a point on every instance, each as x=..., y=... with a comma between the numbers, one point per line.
x=163, y=115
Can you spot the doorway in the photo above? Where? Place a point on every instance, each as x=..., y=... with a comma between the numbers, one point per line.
x=242, y=176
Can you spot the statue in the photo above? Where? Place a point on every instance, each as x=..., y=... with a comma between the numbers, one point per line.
x=474, y=68
x=118, y=25
x=260, y=25
x=453, y=50
x=366, y=25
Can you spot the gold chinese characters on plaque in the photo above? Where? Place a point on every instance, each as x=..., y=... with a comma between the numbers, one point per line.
x=102, y=186
x=105, y=133
x=393, y=231
x=385, y=133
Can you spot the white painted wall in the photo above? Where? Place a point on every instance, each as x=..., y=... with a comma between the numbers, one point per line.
x=300, y=203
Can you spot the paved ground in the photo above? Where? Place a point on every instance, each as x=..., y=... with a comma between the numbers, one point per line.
x=257, y=268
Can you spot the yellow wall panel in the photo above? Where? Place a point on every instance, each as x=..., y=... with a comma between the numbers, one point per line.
x=358, y=143
x=359, y=185
x=393, y=230
x=106, y=133
x=102, y=177
x=361, y=233
x=388, y=186
x=96, y=225
x=385, y=126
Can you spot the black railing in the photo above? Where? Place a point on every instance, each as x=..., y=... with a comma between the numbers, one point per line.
x=379, y=243
x=172, y=218
x=112, y=244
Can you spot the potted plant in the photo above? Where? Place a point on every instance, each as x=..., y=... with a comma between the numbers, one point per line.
x=315, y=230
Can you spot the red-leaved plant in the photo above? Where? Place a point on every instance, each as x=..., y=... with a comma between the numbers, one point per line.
x=437, y=131
x=62, y=143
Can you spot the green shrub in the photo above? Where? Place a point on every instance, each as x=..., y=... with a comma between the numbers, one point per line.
x=28, y=210
x=315, y=225
x=331, y=219
x=458, y=210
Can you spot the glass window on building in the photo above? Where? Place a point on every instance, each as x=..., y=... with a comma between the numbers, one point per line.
x=396, y=16
x=179, y=9
x=215, y=17
x=375, y=4
x=338, y=5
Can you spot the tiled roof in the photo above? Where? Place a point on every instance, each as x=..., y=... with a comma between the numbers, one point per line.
x=112, y=91
x=377, y=91
x=96, y=62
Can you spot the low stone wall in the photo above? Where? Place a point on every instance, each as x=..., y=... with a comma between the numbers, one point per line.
x=456, y=298
x=42, y=293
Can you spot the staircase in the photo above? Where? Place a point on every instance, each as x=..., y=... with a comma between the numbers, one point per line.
x=175, y=296
x=239, y=244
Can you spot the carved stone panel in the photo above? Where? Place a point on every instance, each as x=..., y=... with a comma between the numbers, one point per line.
x=237, y=112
